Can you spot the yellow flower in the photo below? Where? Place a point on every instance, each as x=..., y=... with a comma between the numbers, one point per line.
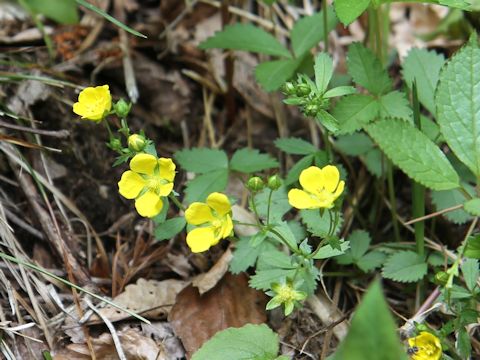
x=216, y=217
x=147, y=181
x=321, y=187
x=425, y=346
x=93, y=103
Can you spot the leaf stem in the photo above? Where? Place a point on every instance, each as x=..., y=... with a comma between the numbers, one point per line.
x=393, y=200
x=268, y=206
x=325, y=23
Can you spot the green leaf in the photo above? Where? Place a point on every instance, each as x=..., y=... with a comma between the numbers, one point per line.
x=355, y=144
x=202, y=160
x=327, y=251
x=448, y=198
x=295, y=146
x=319, y=225
x=470, y=273
x=348, y=10
x=245, y=37
x=327, y=120
x=355, y=111
x=371, y=260
x=286, y=235
x=366, y=70
x=459, y=4
x=423, y=66
x=359, y=243
x=473, y=206
x=405, y=266
x=263, y=279
x=169, y=228
x=458, y=105
x=463, y=344
x=245, y=255
x=273, y=74
x=395, y=105
x=340, y=91
x=63, y=12
x=296, y=169
x=199, y=188
x=255, y=342
x=373, y=333
x=279, y=204
x=414, y=153
x=323, y=71
x=375, y=162
x=250, y=161
x=309, y=31
x=472, y=249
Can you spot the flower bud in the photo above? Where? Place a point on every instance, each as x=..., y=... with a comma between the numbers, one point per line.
x=303, y=89
x=122, y=108
x=289, y=88
x=255, y=184
x=136, y=142
x=115, y=144
x=441, y=278
x=274, y=182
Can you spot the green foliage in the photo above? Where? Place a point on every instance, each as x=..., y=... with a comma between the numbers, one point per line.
x=246, y=255
x=357, y=254
x=273, y=74
x=328, y=251
x=366, y=70
x=473, y=206
x=404, y=266
x=355, y=144
x=470, y=273
x=348, y=10
x=246, y=37
x=373, y=334
x=458, y=105
x=395, y=105
x=355, y=111
x=249, y=161
x=254, y=342
x=414, y=153
x=199, y=188
x=201, y=160
x=295, y=146
x=169, y=228
x=63, y=12
x=472, y=248
x=317, y=224
x=423, y=66
x=279, y=204
x=323, y=71
x=449, y=198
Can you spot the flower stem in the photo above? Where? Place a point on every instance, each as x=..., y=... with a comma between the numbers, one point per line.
x=325, y=23
x=176, y=202
x=393, y=200
x=268, y=206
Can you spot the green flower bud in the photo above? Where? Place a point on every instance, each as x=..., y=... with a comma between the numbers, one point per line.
x=122, y=108
x=115, y=144
x=274, y=182
x=303, y=89
x=422, y=327
x=441, y=278
x=136, y=142
x=289, y=88
x=311, y=109
x=255, y=184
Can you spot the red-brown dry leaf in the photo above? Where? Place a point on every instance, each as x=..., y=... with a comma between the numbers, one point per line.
x=231, y=303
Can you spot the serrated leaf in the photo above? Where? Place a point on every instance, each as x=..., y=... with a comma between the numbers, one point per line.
x=201, y=160
x=327, y=121
x=271, y=75
x=371, y=260
x=373, y=333
x=395, y=105
x=327, y=251
x=472, y=249
x=423, y=66
x=470, y=273
x=309, y=31
x=405, y=266
x=245, y=255
x=354, y=145
x=296, y=169
x=414, y=153
x=355, y=111
x=323, y=68
x=274, y=259
x=366, y=70
x=246, y=37
x=339, y=91
x=295, y=146
x=250, y=161
x=63, y=12
x=472, y=206
x=319, y=225
x=283, y=234
x=348, y=10
x=169, y=228
x=458, y=105
x=199, y=188
x=255, y=342
x=463, y=343
x=279, y=204
x=359, y=243
x=448, y=198
x=263, y=279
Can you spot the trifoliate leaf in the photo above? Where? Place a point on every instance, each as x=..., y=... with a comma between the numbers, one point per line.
x=169, y=228
x=366, y=70
x=373, y=333
x=245, y=37
x=199, y=188
x=423, y=66
x=250, y=161
x=414, y=153
x=355, y=144
x=295, y=146
x=359, y=243
x=201, y=160
x=245, y=255
x=458, y=105
x=319, y=225
x=395, y=105
x=355, y=111
x=309, y=31
x=253, y=342
x=473, y=206
x=348, y=10
x=404, y=266
x=323, y=71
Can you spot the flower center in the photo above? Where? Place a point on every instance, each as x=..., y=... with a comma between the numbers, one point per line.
x=286, y=293
x=154, y=183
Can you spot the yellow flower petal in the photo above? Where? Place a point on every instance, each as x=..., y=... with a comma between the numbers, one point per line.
x=167, y=169
x=311, y=179
x=93, y=103
x=227, y=227
x=79, y=108
x=331, y=177
x=149, y=204
x=428, y=347
x=130, y=184
x=166, y=189
x=87, y=95
x=201, y=239
x=302, y=200
x=340, y=187
x=199, y=213
x=143, y=164
x=219, y=202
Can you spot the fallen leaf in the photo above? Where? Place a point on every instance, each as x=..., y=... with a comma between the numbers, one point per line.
x=208, y=280
x=196, y=318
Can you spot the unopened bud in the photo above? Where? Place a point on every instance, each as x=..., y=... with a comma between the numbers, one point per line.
x=274, y=182
x=303, y=89
x=255, y=184
x=122, y=108
x=136, y=142
x=441, y=278
x=115, y=144
x=289, y=88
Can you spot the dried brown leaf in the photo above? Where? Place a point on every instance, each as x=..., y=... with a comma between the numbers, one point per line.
x=206, y=281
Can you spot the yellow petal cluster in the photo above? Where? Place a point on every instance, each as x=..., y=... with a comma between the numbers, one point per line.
x=321, y=187
x=214, y=221
x=93, y=103
x=425, y=346
x=147, y=181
